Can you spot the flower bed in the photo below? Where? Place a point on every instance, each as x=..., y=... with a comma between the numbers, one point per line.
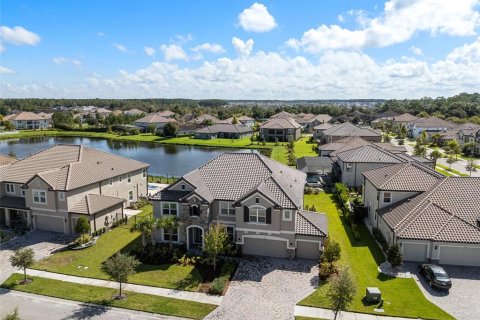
x=77, y=246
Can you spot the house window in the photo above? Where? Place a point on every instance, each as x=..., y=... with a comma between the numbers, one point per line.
x=130, y=195
x=287, y=215
x=183, y=187
x=10, y=188
x=120, y=178
x=231, y=233
x=349, y=167
x=166, y=235
x=110, y=182
x=129, y=178
x=39, y=196
x=61, y=196
x=169, y=208
x=226, y=208
x=387, y=197
x=144, y=173
x=194, y=211
x=22, y=193
x=257, y=215
x=257, y=200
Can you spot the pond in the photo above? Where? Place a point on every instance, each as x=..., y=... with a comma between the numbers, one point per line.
x=175, y=160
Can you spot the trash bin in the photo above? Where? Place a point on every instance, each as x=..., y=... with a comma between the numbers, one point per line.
x=373, y=295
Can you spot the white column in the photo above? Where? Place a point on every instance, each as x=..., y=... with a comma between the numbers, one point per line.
x=7, y=217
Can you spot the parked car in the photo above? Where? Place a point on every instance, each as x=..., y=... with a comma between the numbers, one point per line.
x=435, y=276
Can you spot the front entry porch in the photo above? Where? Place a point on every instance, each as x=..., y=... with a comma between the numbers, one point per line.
x=194, y=238
x=15, y=219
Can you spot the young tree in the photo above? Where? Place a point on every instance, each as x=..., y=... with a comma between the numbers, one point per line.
x=386, y=138
x=170, y=129
x=216, y=242
x=23, y=258
x=434, y=155
x=394, y=256
x=419, y=150
x=82, y=226
x=454, y=148
x=119, y=268
x=168, y=223
x=145, y=226
x=342, y=291
x=8, y=125
x=331, y=252
x=234, y=120
x=450, y=160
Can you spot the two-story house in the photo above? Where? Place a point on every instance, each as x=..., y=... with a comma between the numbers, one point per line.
x=260, y=201
x=346, y=130
x=51, y=189
x=28, y=121
x=430, y=125
x=280, y=129
x=431, y=217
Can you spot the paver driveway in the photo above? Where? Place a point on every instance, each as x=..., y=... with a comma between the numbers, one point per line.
x=43, y=244
x=267, y=288
x=462, y=301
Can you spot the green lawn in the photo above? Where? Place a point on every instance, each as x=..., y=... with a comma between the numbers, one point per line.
x=74, y=262
x=304, y=148
x=402, y=296
x=280, y=154
x=444, y=172
x=461, y=174
x=103, y=296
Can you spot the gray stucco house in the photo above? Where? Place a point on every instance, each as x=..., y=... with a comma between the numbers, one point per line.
x=224, y=130
x=260, y=201
x=281, y=129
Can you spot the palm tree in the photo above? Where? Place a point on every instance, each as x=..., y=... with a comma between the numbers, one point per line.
x=145, y=226
x=434, y=156
x=168, y=223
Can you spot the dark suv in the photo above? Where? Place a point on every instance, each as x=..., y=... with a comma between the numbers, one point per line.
x=435, y=275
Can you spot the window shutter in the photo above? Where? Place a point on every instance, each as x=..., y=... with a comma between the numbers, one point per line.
x=246, y=213
x=269, y=216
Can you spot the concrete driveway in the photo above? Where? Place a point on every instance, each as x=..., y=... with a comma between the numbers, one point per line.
x=462, y=301
x=267, y=288
x=43, y=244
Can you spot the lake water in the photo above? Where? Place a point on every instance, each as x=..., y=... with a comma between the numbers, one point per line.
x=173, y=160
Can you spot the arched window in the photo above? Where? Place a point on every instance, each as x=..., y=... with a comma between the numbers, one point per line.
x=194, y=210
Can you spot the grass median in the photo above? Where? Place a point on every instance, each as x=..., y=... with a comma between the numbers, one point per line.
x=104, y=296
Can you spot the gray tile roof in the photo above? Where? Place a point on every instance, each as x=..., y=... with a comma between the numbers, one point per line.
x=409, y=176
x=314, y=164
x=169, y=195
x=94, y=203
x=323, y=126
x=320, y=117
x=67, y=167
x=23, y=116
x=405, y=117
x=348, y=129
x=280, y=123
x=432, y=122
x=224, y=127
x=310, y=223
x=12, y=202
x=154, y=118
x=369, y=153
x=204, y=117
x=231, y=176
x=448, y=212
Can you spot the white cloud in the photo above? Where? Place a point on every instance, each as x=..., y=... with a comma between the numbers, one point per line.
x=243, y=48
x=149, y=51
x=209, y=47
x=417, y=51
x=341, y=18
x=400, y=20
x=63, y=60
x=101, y=34
x=5, y=70
x=182, y=38
x=120, y=47
x=173, y=52
x=256, y=19
x=17, y=36
x=467, y=54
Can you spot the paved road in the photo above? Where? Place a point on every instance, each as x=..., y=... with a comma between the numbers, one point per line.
x=267, y=288
x=35, y=307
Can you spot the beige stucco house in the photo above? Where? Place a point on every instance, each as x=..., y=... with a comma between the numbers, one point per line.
x=280, y=129
x=29, y=121
x=260, y=201
x=50, y=189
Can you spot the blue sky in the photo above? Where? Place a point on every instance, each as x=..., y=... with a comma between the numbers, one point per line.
x=239, y=49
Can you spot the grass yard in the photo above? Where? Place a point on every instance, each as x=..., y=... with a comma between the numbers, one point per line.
x=280, y=154
x=402, y=296
x=458, y=173
x=303, y=147
x=103, y=296
x=444, y=172
x=74, y=262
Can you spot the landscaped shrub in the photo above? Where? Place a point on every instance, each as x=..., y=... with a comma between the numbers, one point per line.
x=82, y=226
x=342, y=194
x=159, y=253
x=218, y=285
x=326, y=270
x=395, y=256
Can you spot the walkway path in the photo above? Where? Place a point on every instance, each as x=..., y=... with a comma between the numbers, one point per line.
x=163, y=292
x=301, y=311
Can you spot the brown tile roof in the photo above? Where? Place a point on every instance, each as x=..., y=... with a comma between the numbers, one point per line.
x=23, y=116
x=323, y=126
x=432, y=122
x=282, y=114
x=321, y=117
x=166, y=113
x=410, y=176
x=154, y=118
x=405, y=117
x=369, y=153
x=355, y=142
x=204, y=117
x=447, y=212
x=228, y=128
x=280, y=123
x=134, y=112
x=67, y=167
x=4, y=160
x=94, y=203
x=348, y=129
x=311, y=223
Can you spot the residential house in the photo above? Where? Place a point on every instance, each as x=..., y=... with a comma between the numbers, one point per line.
x=315, y=121
x=153, y=119
x=430, y=125
x=280, y=129
x=318, y=131
x=134, y=112
x=346, y=130
x=259, y=200
x=314, y=165
x=283, y=115
x=51, y=189
x=403, y=119
x=28, y=121
x=433, y=218
x=246, y=121
x=166, y=114
x=227, y=131
x=471, y=135
x=103, y=111
x=203, y=118
x=332, y=148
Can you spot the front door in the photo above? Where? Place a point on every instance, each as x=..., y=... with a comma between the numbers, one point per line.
x=197, y=236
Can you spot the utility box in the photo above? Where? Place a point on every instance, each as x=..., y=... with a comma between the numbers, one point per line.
x=373, y=295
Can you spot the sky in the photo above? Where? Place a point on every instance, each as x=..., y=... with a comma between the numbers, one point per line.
x=290, y=49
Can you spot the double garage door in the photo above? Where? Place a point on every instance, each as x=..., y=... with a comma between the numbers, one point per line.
x=464, y=256
x=47, y=223
x=264, y=247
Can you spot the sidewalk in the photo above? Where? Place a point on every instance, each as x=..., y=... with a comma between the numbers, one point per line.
x=344, y=315
x=170, y=293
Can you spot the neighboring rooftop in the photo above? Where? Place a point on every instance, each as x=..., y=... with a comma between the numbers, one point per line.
x=348, y=129
x=4, y=160
x=405, y=117
x=205, y=117
x=225, y=127
x=368, y=153
x=323, y=126
x=432, y=122
x=280, y=123
x=355, y=142
x=95, y=203
x=24, y=116
x=310, y=223
x=154, y=118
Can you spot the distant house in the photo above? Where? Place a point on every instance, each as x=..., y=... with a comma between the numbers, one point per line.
x=431, y=125
x=227, y=131
x=331, y=149
x=153, y=119
x=166, y=114
x=103, y=111
x=134, y=112
x=28, y=121
x=319, y=129
x=346, y=130
x=205, y=117
x=281, y=129
x=314, y=165
x=403, y=119
x=315, y=121
x=470, y=136
x=246, y=121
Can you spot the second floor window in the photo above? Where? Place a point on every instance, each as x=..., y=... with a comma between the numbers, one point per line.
x=39, y=196
x=287, y=215
x=130, y=195
x=258, y=215
x=144, y=173
x=349, y=167
x=226, y=208
x=10, y=188
x=169, y=208
x=61, y=196
x=387, y=197
x=166, y=235
x=129, y=178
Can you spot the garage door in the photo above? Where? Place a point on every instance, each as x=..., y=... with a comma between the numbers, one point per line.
x=414, y=252
x=307, y=250
x=264, y=247
x=460, y=256
x=49, y=223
